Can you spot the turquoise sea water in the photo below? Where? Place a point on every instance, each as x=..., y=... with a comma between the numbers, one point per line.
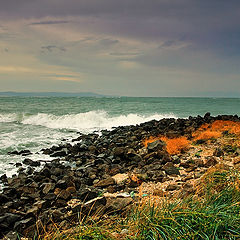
x=37, y=122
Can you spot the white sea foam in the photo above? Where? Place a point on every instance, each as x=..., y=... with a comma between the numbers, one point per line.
x=10, y=117
x=85, y=122
x=89, y=121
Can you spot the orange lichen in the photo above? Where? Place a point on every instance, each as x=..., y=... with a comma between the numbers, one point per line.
x=173, y=145
x=215, y=130
x=176, y=145
x=207, y=134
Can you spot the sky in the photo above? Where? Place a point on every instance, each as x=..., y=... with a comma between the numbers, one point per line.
x=124, y=48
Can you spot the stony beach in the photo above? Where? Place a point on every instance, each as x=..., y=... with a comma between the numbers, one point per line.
x=108, y=173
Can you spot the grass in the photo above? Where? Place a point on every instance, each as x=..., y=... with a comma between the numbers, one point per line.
x=213, y=213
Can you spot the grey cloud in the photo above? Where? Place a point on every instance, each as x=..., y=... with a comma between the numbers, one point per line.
x=108, y=42
x=48, y=22
x=50, y=48
x=124, y=54
x=206, y=24
x=168, y=43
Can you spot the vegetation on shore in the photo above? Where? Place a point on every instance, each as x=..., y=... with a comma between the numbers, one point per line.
x=213, y=212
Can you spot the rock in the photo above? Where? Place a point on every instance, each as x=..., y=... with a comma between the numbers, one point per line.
x=235, y=161
x=218, y=152
x=41, y=204
x=57, y=215
x=158, y=192
x=32, y=211
x=210, y=161
x=60, y=203
x=91, y=206
x=71, y=190
x=22, y=152
x=198, y=163
x=64, y=194
x=48, y=187
x=118, y=151
x=8, y=219
x=170, y=169
x=30, y=162
x=3, y=178
x=11, y=236
x=172, y=187
x=86, y=194
x=105, y=182
x=124, y=231
x=59, y=154
x=3, y=198
x=207, y=115
x=49, y=196
x=118, y=203
x=156, y=145
x=18, y=164
x=23, y=224
x=120, y=178
x=61, y=184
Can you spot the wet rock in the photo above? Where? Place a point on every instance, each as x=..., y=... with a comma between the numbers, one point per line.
x=170, y=169
x=32, y=163
x=3, y=178
x=18, y=164
x=22, y=152
x=59, y=154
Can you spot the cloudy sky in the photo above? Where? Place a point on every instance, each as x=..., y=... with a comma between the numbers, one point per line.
x=127, y=47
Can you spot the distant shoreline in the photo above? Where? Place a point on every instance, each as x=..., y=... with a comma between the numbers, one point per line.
x=92, y=94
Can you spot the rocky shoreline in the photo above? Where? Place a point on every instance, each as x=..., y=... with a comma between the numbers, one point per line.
x=100, y=173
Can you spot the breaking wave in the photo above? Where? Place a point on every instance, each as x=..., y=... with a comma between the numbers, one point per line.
x=85, y=122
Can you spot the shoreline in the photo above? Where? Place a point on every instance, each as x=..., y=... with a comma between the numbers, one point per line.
x=105, y=173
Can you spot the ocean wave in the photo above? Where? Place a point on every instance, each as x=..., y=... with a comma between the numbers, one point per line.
x=89, y=121
x=11, y=117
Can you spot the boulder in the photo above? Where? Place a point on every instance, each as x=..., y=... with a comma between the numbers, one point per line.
x=32, y=163
x=118, y=204
x=105, y=182
x=170, y=169
x=156, y=145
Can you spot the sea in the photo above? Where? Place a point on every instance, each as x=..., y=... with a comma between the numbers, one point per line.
x=34, y=123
